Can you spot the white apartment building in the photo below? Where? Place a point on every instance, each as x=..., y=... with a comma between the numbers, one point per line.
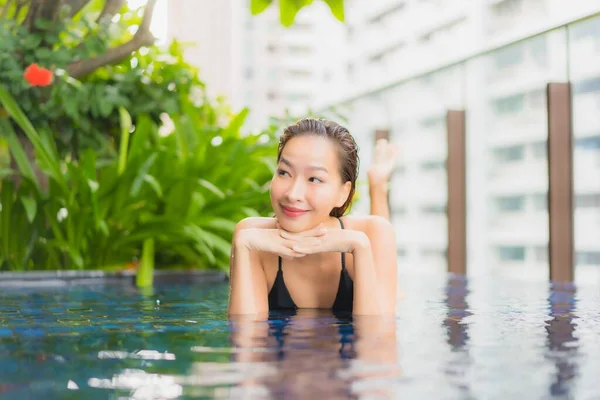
x=400, y=73
x=254, y=61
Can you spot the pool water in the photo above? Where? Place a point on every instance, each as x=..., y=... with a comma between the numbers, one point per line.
x=487, y=338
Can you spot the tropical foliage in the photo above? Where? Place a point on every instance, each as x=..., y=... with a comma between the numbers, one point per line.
x=110, y=148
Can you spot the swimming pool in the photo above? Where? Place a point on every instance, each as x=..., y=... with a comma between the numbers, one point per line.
x=491, y=337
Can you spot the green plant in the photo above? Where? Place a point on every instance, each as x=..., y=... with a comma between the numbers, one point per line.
x=99, y=65
x=289, y=8
x=184, y=190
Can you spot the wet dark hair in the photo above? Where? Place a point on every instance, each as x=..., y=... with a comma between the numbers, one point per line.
x=346, y=145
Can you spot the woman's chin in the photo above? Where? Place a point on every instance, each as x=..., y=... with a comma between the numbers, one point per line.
x=293, y=225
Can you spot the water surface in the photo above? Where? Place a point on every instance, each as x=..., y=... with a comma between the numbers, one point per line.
x=488, y=338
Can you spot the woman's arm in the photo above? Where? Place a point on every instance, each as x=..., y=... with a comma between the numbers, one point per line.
x=379, y=175
x=367, y=298
x=248, y=284
x=378, y=194
x=375, y=269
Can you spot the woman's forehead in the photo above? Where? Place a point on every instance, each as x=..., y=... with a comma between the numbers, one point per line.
x=310, y=149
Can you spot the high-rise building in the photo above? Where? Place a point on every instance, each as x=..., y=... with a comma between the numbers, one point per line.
x=255, y=61
x=212, y=33
x=406, y=62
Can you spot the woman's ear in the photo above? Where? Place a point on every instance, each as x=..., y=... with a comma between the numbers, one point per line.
x=344, y=193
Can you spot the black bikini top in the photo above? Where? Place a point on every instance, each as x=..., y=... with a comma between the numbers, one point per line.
x=280, y=299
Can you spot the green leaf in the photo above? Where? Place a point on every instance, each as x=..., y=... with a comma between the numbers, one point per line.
x=141, y=175
x=49, y=160
x=32, y=41
x=236, y=123
x=212, y=188
x=145, y=273
x=154, y=184
x=4, y=172
x=43, y=53
x=220, y=224
x=18, y=152
x=106, y=108
x=258, y=6
x=30, y=206
x=337, y=8
x=289, y=8
x=6, y=199
x=126, y=124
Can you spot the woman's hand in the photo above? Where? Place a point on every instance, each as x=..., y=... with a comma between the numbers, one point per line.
x=323, y=240
x=270, y=241
x=383, y=164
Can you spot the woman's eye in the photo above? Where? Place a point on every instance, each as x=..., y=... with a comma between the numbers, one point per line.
x=317, y=179
x=281, y=172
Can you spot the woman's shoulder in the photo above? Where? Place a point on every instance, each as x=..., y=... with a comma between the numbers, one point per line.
x=256, y=222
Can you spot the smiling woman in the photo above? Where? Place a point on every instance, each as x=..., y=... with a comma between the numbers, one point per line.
x=332, y=260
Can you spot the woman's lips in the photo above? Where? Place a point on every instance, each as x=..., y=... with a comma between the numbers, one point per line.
x=293, y=212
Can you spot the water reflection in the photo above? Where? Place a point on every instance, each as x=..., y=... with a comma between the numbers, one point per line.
x=457, y=331
x=457, y=309
x=317, y=354
x=561, y=341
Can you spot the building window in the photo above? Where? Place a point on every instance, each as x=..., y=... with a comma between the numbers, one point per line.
x=511, y=253
x=426, y=253
x=300, y=50
x=584, y=86
x=540, y=201
x=509, y=105
x=298, y=73
x=541, y=253
x=588, y=143
x=539, y=150
x=272, y=75
x=434, y=209
x=433, y=166
x=510, y=203
x=539, y=50
x=509, y=154
x=399, y=210
x=507, y=57
x=387, y=14
x=435, y=122
x=298, y=97
x=587, y=200
x=587, y=257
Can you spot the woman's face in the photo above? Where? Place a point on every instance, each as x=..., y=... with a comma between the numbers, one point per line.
x=307, y=183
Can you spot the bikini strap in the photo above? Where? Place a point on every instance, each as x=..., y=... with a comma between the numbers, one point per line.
x=279, y=270
x=343, y=254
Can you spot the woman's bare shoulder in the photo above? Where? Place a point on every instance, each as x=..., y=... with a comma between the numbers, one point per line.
x=256, y=222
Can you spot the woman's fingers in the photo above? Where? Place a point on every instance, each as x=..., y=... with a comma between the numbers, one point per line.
x=307, y=248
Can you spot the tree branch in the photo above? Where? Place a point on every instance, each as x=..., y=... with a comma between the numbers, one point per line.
x=143, y=37
x=18, y=8
x=76, y=6
x=111, y=7
x=49, y=9
x=32, y=14
x=4, y=10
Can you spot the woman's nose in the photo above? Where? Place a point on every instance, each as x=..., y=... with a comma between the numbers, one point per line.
x=296, y=190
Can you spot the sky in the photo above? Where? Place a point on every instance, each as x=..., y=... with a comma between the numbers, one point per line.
x=159, y=21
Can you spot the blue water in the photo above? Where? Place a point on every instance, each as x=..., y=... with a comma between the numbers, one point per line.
x=488, y=338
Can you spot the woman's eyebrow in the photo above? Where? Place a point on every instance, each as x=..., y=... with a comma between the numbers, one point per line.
x=313, y=167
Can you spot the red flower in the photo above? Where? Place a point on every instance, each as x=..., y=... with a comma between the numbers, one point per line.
x=37, y=76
